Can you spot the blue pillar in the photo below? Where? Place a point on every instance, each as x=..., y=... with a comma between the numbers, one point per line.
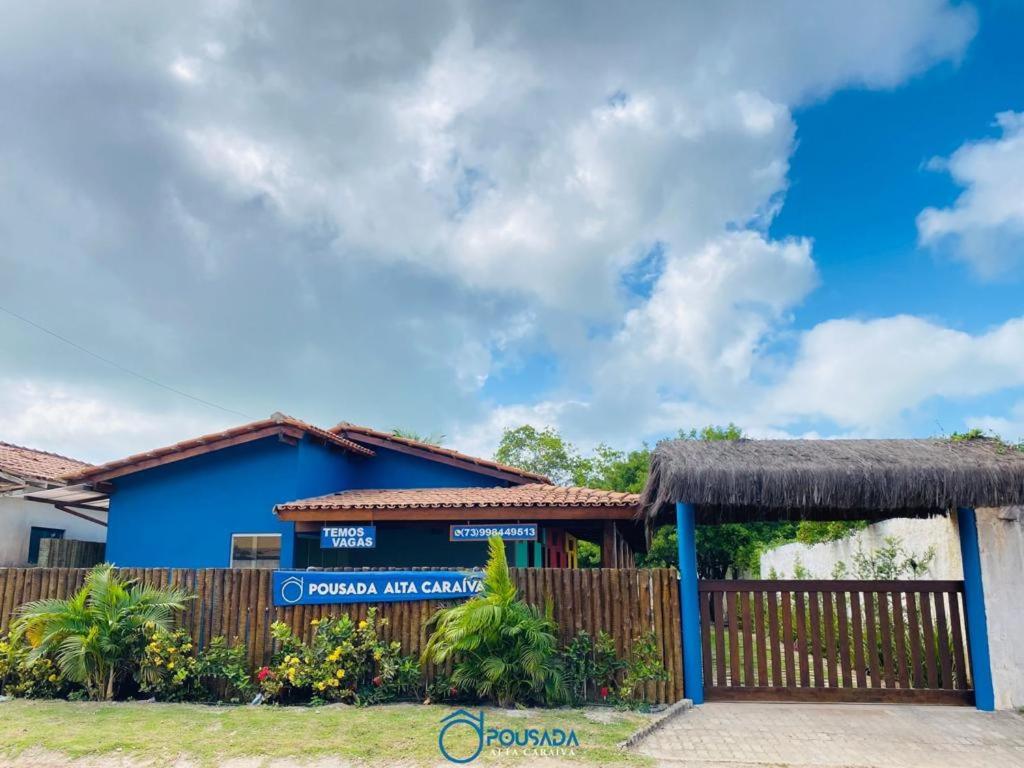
x=974, y=608
x=689, y=606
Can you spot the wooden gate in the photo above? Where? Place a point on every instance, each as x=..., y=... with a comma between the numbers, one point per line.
x=859, y=641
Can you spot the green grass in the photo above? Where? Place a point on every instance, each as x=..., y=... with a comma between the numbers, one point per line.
x=385, y=735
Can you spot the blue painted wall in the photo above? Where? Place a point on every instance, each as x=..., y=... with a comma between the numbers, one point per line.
x=393, y=469
x=182, y=515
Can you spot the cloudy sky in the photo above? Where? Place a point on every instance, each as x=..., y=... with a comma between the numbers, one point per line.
x=617, y=219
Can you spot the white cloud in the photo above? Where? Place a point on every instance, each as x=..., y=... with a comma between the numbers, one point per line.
x=866, y=374
x=368, y=222
x=88, y=426
x=985, y=226
x=712, y=311
x=1010, y=426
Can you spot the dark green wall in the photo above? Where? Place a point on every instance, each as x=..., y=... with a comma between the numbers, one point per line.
x=398, y=546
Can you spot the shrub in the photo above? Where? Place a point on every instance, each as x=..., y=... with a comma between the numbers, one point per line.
x=98, y=635
x=590, y=667
x=171, y=671
x=644, y=666
x=20, y=675
x=346, y=661
x=504, y=649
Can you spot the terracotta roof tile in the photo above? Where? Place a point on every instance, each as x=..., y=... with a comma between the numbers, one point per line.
x=32, y=465
x=128, y=464
x=531, y=495
x=354, y=431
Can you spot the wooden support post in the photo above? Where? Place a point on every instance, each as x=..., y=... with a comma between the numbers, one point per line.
x=609, y=555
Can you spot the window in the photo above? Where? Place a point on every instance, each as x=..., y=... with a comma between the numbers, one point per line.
x=37, y=534
x=255, y=550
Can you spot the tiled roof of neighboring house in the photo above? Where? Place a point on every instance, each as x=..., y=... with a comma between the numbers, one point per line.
x=532, y=495
x=277, y=424
x=34, y=466
x=385, y=439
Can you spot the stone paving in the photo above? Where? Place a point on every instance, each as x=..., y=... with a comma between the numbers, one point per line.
x=745, y=735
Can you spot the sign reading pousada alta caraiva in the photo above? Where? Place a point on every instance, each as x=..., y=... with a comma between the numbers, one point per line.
x=326, y=587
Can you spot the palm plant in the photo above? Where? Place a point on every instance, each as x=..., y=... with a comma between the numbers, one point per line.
x=504, y=648
x=98, y=634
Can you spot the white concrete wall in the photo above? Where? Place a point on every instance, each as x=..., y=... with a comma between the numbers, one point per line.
x=1001, y=541
x=17, y=516
x=917, y=536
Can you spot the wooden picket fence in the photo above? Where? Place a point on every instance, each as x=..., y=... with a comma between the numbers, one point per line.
x=237, y=604
x=860, y=641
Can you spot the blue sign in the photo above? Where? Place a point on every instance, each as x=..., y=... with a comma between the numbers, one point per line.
x=348, y=537
x=332, y=587
x=505, y=531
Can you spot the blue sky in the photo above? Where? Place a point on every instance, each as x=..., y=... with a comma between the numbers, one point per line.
x=618, y=221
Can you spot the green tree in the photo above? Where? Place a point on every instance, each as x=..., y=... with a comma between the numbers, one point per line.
x=543, y=451
x=504, y=649
x=98, y=634
x=614, y=470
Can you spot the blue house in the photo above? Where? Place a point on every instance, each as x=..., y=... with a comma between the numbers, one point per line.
x=259, y=496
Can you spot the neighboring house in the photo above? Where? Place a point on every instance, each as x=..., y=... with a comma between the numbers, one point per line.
x=258, y=495
x=24, y=523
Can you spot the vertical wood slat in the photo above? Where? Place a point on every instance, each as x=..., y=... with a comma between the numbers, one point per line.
x=957, y=640
x=914, y=639
x=748, y=649
x=888, y=673
x=899, y=630
x=761, y=640
x=788, y=637
x=773, y=638
x=858, y=638
x=828, y=619
x=706, y=638
x=734, y=639
x=929, y=640
x=801, y=638
x=719, y=610
x=814, y=640
x=845, y=639
x=871, y=636
x=942, y=640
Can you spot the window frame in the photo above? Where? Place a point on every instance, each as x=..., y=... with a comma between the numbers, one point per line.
x=231, y=551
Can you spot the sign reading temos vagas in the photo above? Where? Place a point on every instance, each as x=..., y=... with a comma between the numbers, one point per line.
x=504, y=531
x=348, y=537
x=330, y=587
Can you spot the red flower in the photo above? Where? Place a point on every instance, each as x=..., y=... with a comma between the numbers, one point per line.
x=264, y=673
x=378, y=681
x=604, y=691
x=452, y=691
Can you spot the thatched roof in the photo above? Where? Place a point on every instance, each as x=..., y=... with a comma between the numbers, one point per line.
x=738, y=480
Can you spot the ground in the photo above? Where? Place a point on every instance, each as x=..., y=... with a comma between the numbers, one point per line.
x=848, y=735
x=40, y=734
x=718, y=735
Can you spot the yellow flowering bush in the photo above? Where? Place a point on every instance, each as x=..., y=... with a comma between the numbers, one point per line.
x=23, y=676
x=172, y=669
x=345, y=661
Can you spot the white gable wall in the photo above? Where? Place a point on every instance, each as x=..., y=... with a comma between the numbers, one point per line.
x=17, y=516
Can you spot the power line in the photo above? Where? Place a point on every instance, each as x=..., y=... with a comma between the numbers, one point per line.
x=118, y=366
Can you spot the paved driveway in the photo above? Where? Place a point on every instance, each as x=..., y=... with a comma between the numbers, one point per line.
x=805, y=735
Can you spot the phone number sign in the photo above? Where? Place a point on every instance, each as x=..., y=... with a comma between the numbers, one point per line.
x=506, y=532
